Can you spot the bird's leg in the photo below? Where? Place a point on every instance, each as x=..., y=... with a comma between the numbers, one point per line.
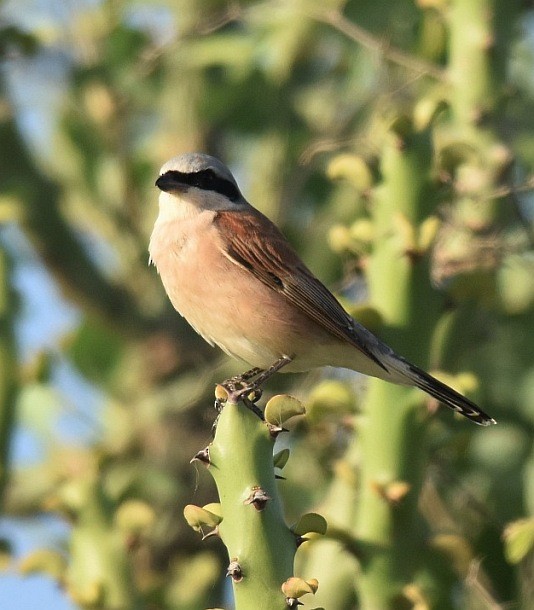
x=250, y=393
x=249, y=374
x=261, y=379
x=238, y=380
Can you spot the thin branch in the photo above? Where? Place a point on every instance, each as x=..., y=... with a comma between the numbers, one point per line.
x=149, y=58
x=504, y=191
x=513, y=192
x=232, y=13
x=363, y=37
x=474, y=582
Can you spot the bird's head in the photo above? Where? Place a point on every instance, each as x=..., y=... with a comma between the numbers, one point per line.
x=201, y=181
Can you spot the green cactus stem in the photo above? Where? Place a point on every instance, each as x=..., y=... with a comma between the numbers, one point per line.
x=260, y=545
x=391, y=434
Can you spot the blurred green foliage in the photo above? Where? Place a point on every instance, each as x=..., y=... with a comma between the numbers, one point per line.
x=316, y=107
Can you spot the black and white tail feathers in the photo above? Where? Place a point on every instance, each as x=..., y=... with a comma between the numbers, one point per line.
x=415, y=376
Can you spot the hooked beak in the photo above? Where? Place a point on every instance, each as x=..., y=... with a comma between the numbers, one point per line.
x=169, y=182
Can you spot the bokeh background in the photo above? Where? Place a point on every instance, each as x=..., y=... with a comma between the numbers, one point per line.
x=393, y=142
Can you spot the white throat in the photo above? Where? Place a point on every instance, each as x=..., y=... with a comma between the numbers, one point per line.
x=173, y=207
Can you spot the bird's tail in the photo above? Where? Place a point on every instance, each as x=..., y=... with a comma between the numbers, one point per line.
x=415, y=376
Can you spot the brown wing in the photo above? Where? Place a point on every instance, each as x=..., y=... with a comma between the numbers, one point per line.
x=254, y=243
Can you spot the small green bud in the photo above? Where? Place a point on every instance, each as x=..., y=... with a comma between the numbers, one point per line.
x=515, y=280
x=294, y=587
x=134, y=516
x=200, y=518
x=406, y=231
x=339, y=238
x=426, y=110
x=362, y=230
x=330, y=397
x=352, y=168
x=518, y=539
x=282, y=407
x=215, y=508
x=310, y=523
x=44, y=561
x=428, y=230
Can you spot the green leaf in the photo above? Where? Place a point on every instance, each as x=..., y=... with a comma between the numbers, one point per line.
x=297, y=587
x=518, y=539
x=282, y=407
x=38, y=406
x=353, y=168
x=200, y=518
x=43, y=561
x=330, y=397
x=310, y=523
x=134, y=516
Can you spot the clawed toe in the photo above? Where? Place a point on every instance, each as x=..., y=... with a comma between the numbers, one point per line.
x=247, y=386
x=239, y=381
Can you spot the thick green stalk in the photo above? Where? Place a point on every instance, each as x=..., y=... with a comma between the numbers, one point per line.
x=480, y=34
x=473, y=93
x=391, y=438
x=255, y=534
x=99, y=573
x=480, y=37
x=329, y=559
x=8, y=371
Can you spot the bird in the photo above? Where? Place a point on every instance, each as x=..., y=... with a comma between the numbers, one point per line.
x=230, y=272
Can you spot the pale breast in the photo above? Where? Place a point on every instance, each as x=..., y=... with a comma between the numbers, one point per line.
x=225, y=303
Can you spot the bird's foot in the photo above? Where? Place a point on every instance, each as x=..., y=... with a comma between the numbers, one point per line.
x=239, y=380
x=237, y=388
x=249, y=393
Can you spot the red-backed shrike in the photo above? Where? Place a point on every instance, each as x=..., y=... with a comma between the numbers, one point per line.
x=230, y=272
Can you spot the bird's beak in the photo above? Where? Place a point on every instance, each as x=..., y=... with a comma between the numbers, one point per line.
x=168, y=182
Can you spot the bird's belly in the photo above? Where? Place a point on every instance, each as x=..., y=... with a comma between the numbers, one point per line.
x=231, y=308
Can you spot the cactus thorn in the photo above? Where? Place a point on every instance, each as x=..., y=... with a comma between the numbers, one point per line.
x=275, y=430
x=234, y=570
x=202, y=456
x=293, y=602
x=258, y=498
x=213, y=532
